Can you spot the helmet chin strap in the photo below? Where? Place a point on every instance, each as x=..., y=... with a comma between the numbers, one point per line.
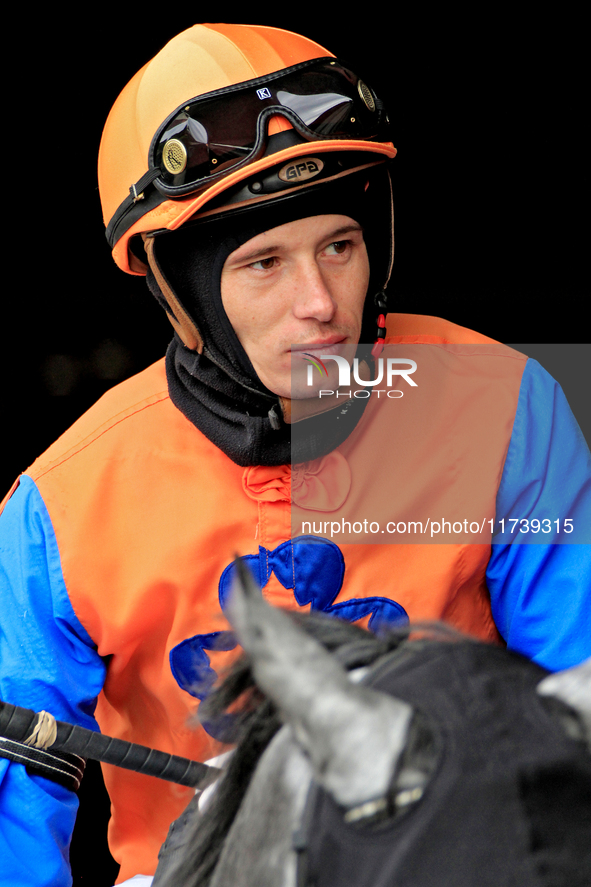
x=381, y=302
x=184, y=325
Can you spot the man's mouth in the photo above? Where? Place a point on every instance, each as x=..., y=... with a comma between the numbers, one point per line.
x=329, y=345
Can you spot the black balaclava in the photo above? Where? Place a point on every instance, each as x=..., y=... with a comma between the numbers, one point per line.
x=219, y=390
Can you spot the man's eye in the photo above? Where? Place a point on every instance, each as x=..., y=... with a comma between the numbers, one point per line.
x=264, y=264
x=338, y=247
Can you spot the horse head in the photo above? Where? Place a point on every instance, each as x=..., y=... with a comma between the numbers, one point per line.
x=431, y=759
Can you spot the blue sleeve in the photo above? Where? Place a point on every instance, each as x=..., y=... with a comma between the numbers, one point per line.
x=47, y=661
x=541, y=589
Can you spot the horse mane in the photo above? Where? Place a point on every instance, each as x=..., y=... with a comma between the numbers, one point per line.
x=254, y=721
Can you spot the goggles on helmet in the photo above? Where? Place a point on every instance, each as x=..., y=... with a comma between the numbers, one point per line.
x=221, y=131
x=213, y=135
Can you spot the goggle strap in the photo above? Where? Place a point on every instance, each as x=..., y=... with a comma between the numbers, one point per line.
x=133, y=207
x=137, y=191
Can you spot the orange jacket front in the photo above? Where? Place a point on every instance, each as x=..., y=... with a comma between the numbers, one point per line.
x=148, y=515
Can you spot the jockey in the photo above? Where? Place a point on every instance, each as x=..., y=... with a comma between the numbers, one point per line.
x=245, y=171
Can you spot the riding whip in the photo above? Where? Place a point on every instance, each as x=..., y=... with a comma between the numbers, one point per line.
x=57, y=750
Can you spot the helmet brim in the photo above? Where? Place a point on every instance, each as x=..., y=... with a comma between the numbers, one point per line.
x=171, y=214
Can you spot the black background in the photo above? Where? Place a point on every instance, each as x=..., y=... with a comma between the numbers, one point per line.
x=491, y=197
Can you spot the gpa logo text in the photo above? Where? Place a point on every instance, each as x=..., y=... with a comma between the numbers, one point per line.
x=389, y=371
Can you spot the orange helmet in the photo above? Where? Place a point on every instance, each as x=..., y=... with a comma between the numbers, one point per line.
x=216, y=105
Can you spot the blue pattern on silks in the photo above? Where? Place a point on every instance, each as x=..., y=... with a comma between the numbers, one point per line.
x=314, y=568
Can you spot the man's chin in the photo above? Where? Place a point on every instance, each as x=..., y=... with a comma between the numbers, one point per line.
x=304, y=388
x=318, y=369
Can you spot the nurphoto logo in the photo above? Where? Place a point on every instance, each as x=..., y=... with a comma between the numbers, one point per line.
x=389, y=371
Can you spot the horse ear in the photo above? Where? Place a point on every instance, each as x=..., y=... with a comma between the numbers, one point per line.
x=354, y=736
x=572, y=686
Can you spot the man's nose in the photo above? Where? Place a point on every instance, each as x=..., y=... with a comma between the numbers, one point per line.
x=313, y=296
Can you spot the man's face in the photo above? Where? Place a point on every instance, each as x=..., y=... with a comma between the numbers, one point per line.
x=297, y=288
